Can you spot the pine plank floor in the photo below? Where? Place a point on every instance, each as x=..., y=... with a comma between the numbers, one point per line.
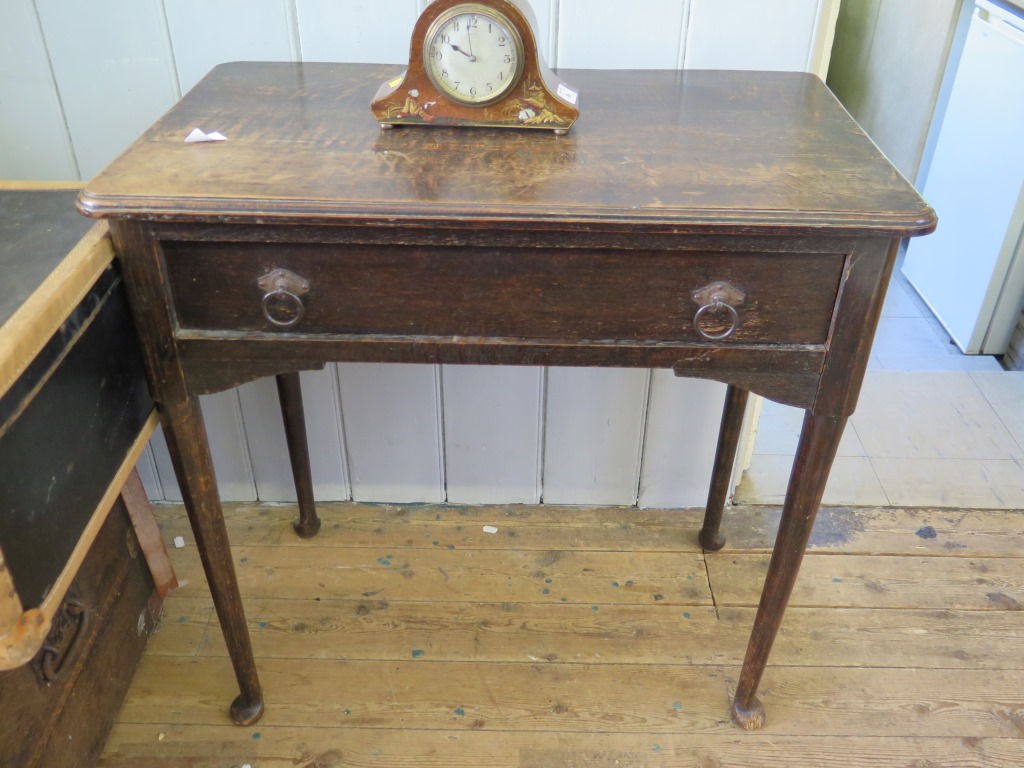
x=408, y=636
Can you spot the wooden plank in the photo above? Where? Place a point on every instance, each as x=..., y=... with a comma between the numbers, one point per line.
x=492, y=433
x=204, y=35
x=593, y=435
x=891, y=702
x=679, y=441
x=126, y=42
x=392, y=431
x=32, y=130
x=738, y=34
x=601, y=634
x=749, y=529
x=524, y=528
x=583, y=697
x=883, y=687
x=887, y=531
x=211, y=746
x=146, y=531
x=440, y=695
x=447, y=573
x=509, y=632
x=184, y=626
x=21, y=186
x=857, y=581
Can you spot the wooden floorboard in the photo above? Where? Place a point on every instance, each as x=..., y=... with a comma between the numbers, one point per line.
x=409, y=636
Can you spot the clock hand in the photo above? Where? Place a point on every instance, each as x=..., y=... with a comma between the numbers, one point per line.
x=456, y=48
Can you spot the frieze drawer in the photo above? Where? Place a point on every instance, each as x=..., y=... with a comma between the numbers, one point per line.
x=656, y=296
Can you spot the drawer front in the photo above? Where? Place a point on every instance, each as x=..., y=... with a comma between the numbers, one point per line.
x=561, y=295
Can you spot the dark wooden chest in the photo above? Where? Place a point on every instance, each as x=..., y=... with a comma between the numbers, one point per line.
x=59, y=708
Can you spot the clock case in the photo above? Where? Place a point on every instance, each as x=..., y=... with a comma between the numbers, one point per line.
x=533, y=103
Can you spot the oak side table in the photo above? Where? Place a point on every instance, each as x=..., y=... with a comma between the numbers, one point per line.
x=736, y=226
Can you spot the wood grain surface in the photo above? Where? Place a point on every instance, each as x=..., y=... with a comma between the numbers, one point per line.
x=481, y=672
x=785, y=155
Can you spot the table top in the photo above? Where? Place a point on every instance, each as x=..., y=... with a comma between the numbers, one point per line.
x=679, y=151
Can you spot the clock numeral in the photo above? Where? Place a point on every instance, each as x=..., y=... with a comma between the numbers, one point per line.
x=444, y=73
x=501, y=42
x=446, y=39
x=437, y=55
x=501, y=75
x=490, y=87
x=472, y=23
x=456, y=26
x=508, y=58
x=457, y=84
x=472, y=91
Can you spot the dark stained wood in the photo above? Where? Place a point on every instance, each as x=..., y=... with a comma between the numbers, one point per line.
x=522, y=293
x=511, y=247
x=819, y=441
x=289, y=391
x=29, y=252
x=64, y=720
x=694, y=151
x=190, y=453
x=84, y=398
x=725, y=458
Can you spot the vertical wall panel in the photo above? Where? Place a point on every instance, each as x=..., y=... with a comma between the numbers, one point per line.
x=679, y=442
x=165, y=470
x=34, y=143
x=751, y=34
x=146, y=467
x=610, y=34
x=223, y=417
x=268, y=448
x=492, y=427
x=204, y=34
x=373, y=31
x=594, y=429
x=113, y=66
x=545, y=11
x=223, y=420
x=392, y=431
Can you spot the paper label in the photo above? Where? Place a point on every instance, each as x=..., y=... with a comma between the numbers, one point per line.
x=567, y=94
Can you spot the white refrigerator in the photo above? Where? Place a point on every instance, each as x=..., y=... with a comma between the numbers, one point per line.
x=971, y=271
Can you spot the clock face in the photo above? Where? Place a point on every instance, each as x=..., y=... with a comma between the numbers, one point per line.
x=473, y=54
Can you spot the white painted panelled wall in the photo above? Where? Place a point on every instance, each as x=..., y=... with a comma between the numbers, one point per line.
x=79, y=81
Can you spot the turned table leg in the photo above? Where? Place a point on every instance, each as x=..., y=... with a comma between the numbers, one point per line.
x=186, y=440
x=289, y=392
x=819, y=441
x=725, y=458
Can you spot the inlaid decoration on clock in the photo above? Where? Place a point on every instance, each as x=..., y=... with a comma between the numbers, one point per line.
x=477, y=64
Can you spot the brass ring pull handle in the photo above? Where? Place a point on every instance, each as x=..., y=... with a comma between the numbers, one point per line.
x=715, y=299
x=282, y=302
